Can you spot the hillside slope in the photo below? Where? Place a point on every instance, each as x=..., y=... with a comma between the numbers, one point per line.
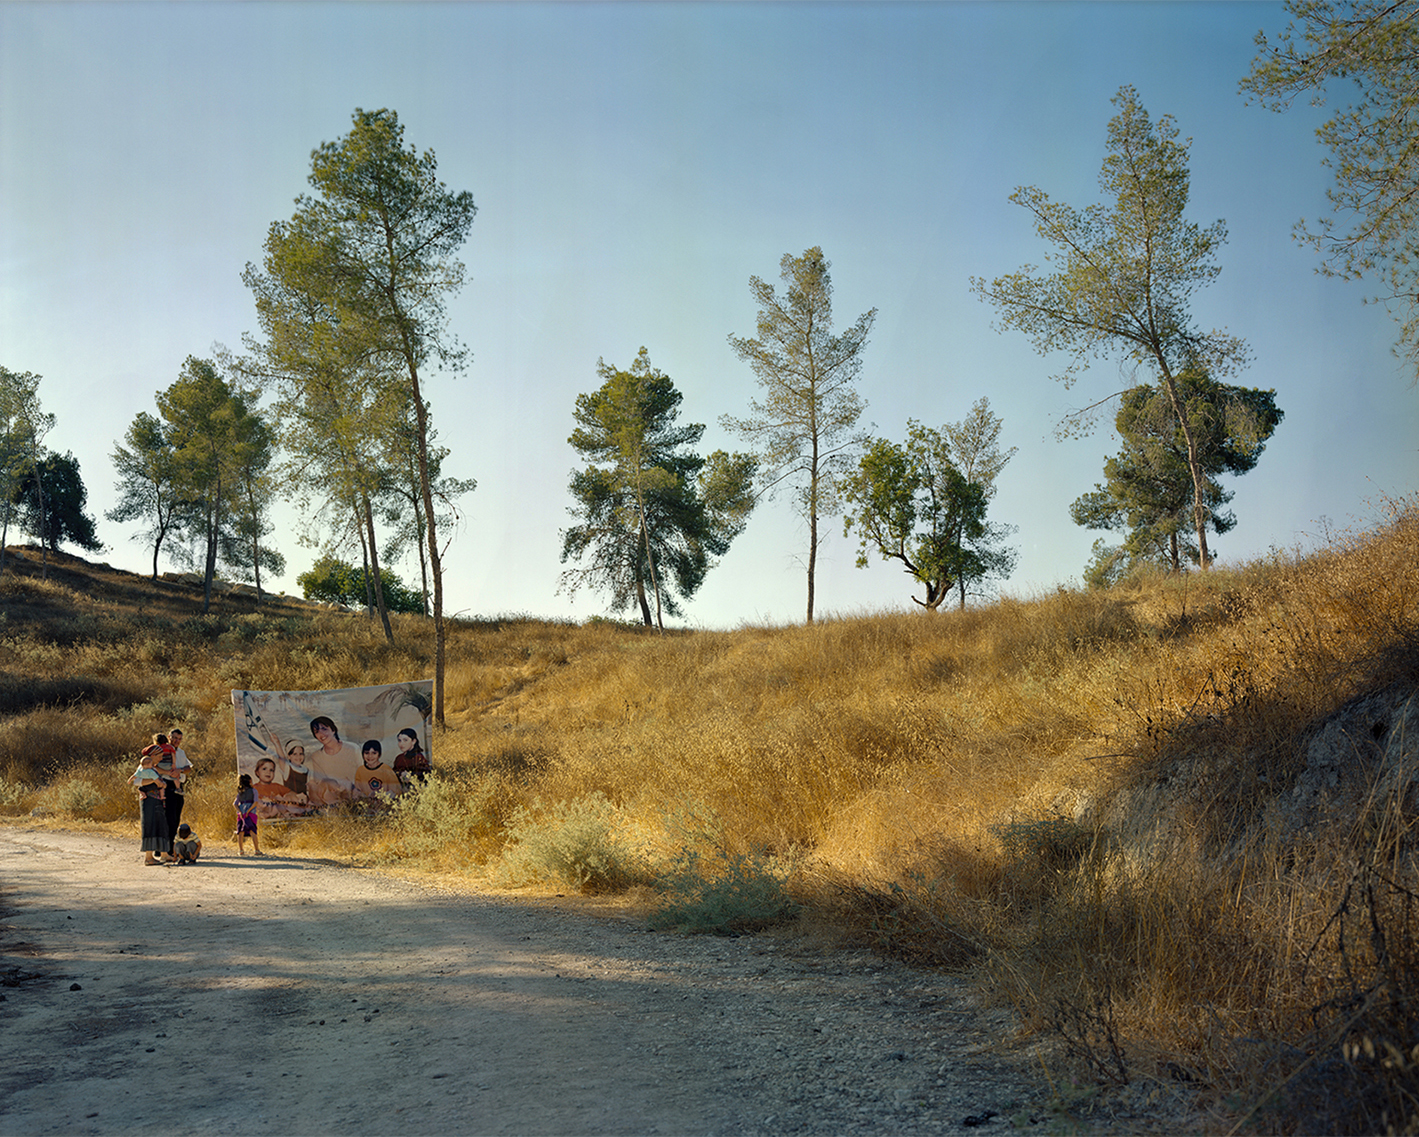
x=1171, y=823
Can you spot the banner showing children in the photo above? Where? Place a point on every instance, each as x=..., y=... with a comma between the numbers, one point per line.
x=309, y=749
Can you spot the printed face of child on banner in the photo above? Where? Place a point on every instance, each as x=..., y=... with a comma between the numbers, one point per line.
x=308, y=749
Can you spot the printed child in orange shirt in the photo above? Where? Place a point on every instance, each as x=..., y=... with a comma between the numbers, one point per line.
x=375, y=776
x=273, y=798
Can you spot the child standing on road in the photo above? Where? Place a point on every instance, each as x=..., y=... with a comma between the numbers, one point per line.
x=245, y=804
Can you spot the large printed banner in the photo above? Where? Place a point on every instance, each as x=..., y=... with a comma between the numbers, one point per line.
x=308, y=749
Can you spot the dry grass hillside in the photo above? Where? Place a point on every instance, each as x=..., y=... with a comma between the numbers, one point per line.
x=1171, y=823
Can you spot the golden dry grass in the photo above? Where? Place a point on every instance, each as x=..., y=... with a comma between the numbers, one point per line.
x=1064, y=791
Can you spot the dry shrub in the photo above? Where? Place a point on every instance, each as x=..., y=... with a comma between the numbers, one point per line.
x=41, y=744
x=920, y=915
x=452, y=821
x=581, y=844
x=76, y=797
x=207, y=807
x=16, y=797
x=22, y=692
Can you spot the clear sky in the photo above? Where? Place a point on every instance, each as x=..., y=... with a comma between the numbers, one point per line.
x=633, y=166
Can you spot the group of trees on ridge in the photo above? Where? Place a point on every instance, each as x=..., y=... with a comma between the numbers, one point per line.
x=351, y=296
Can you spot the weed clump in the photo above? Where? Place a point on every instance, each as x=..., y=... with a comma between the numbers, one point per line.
x=575, y=843
x=1051, y=842
x=456, y=817
x=75, y=797
x=708, y=887
x=13, y=795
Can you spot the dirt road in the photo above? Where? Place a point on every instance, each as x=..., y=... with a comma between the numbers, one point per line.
x=288, y=995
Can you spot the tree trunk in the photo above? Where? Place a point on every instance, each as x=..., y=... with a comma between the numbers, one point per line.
x=649, y=560
x=421, y=419
x=364, y=562
x=812, y=522
x=375, y=576
x=214, y=522
x=435, y=563
x=162, y=525
x=43, y=521
x=1194, y=465
x=936, y=593
x=423, y=555
x=255, y=539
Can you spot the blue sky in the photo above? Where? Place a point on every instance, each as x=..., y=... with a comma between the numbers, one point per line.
x=633, y=166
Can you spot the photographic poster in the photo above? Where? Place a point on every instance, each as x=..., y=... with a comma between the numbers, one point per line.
x=306, y=750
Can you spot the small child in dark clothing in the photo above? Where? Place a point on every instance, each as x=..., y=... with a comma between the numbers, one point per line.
x=245, y=805
x=187, y=846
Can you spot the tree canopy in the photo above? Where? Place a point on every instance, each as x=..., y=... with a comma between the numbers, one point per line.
x=973, y=446
x=219, y=444
x=1148, y=487
x=147, y=486
x=373, y=248
x=1366, y=49
x=23, y=426
x=911, y=504
x=56, y=516
x=653, y=516
x=1126, y=273
x=803, y=425
x=339, y=582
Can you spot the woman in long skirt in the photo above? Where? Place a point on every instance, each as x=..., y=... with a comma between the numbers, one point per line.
x=149, y=783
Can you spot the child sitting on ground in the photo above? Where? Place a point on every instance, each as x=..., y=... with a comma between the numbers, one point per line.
x=245, y=805
x=187, y=846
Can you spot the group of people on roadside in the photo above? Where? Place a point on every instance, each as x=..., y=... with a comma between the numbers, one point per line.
x=161, y=777
x=336, y=770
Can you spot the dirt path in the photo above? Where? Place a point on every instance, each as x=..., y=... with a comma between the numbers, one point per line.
x=287, y=995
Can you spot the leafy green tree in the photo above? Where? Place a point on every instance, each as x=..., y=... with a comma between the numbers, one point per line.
x=254, y=488
x=403, y=502
x=653, y=514
x=339, y=582
x=23, y=426
x=1126, y=274
x=973, y=446
x=147, y=488
x=803, y=424
x=375, y=245
x=335, y=404
x=1368, y=49
x=911, y=504
x=209, y=425
x=1148, y=490
x=56, y=516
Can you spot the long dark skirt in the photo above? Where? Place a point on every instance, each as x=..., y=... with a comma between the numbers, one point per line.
x=172, y=809
x=156, y=838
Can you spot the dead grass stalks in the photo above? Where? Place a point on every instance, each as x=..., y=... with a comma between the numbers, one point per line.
x=1134, y=813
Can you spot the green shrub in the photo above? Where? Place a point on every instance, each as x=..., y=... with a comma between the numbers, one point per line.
x=461, y=814
x=76, y=797
x=709, y=887
x=575, y=843
x=163, y=710
x=1051, y=841
x=13, y=794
